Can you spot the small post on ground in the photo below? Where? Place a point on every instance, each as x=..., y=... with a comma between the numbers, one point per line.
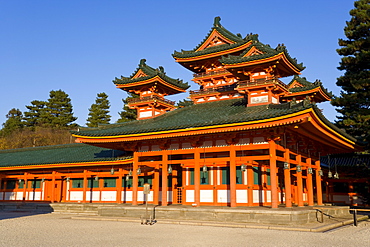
x=146, y=191
x=355, y=217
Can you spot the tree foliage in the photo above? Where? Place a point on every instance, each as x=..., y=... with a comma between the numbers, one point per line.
x=35, y=116
x=99, y=112
x=14, y=122
x=127, y=114
x=59, y=110
x=45, y=123
x=56, y=112
x=354, y=101
x=184, y=103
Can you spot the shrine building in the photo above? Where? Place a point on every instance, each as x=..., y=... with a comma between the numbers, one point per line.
x=246, y=139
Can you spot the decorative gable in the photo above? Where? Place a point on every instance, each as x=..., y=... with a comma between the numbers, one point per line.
x=214, y=39
x=295, y=84
x=253, y=51
x=139, y=74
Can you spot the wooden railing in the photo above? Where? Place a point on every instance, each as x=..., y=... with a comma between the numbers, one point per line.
x=150, y=98
x=216, y=72
x=213, y=90
x=264, y=81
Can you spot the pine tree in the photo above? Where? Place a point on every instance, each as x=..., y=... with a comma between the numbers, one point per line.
x=36, y=114
x=184, y=103
x=127, y=114
x=354, y=101
x=59, y=110
x=99, y=112
x=14, y=122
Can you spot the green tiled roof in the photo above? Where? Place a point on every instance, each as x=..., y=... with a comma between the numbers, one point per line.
x=348, y=159
x=151, y=72
x=268, y=52
x=223, y=31
x=307, y=85
x=205, y=114
x=68, y=153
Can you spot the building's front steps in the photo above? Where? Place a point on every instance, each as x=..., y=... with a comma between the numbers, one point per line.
x=260, y=215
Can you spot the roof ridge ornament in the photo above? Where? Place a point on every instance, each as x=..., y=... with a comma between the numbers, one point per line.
x=216, y=22
x=142, y=62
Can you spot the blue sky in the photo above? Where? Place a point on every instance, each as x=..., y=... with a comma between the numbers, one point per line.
x=81, y=46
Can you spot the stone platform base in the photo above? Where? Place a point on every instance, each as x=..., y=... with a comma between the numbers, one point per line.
x=260, y=215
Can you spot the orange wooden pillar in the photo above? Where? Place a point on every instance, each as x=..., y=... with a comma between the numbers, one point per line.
x=273, y=174
x=197, y=176
x=53, y=187
x=84, y=186
x=287, y=180
x=232, y=175
x=25, y=186
x=156, y=186
x=309, y=182
x=299, y=181
x=164, y=179
x=135, y=179
x=318, y=183
x=119, y=185
x=250, y=183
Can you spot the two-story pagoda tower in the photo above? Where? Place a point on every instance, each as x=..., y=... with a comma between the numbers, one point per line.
x=228, y=66
x=151, y=85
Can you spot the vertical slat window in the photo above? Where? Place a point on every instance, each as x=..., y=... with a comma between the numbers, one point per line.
x=20, y=184
x=92, y=183
x=191, y=172
x=143, y=180
x=239, y=175
x=35, y=184
x=257, y=175
x=10, y=184
x=225, y=173
x=204, y=177
x=268, y=173
x=127, y=183
x=109, y=183
x=77, y=183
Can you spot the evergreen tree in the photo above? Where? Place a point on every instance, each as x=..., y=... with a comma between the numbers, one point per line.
x=36, y=114
x=99, y=112
x=14, y=121
x=127, y=114
x=59, y=110
x=184, y=103
x=354, y=101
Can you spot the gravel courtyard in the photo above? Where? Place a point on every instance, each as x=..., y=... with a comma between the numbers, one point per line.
x=20, y=229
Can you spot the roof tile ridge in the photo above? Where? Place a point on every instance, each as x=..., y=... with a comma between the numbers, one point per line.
x=222, y=30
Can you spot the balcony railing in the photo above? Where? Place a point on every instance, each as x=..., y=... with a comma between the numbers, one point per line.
x=213, y=90
x=204, y=74
x=150, y=98
x=260, y=82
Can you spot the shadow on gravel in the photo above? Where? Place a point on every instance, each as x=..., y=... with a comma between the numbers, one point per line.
x=9, y=210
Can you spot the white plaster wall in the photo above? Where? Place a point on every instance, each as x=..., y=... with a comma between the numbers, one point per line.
x=241, y=196
x=141, y=196
x=268, y=196
x=9, y=196
x=19, y=195
x=76, y=195
x=206, y=196
x=189, y=194
x=92, y=195
x=258, y=196
x=34, y=195
x=126, y=196
x=109, y=195
x=223, y=196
